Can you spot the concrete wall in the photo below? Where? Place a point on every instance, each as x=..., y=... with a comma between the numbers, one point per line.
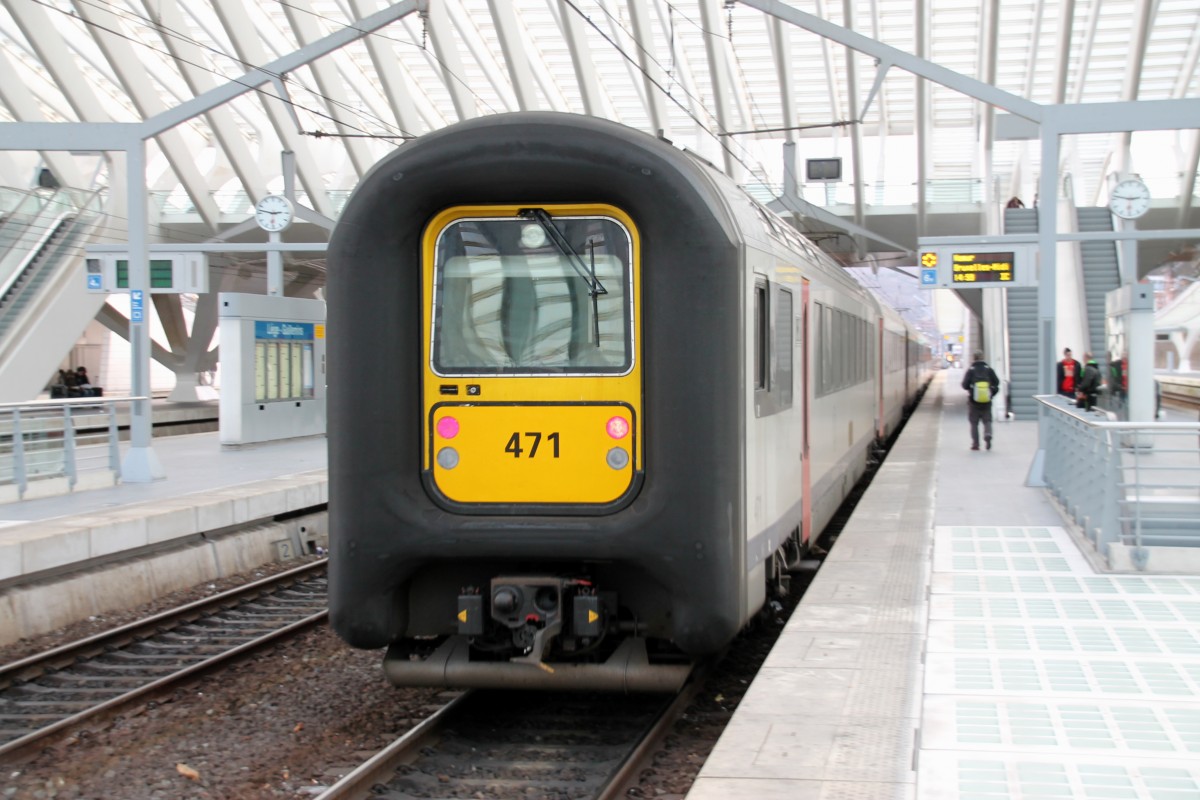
x=53, y=602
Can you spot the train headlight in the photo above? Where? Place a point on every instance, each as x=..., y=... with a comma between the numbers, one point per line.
x=618, y=458
x=533, y=237
x=447, y=427
x=617, y=427
x=447, y=458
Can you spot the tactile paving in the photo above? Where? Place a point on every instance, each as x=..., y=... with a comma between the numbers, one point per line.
x=1044, y=679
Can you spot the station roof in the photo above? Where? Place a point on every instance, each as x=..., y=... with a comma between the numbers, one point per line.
x=721, y=78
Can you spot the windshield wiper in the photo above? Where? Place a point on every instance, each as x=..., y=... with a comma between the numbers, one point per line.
x=540, y=216
x=595, y=287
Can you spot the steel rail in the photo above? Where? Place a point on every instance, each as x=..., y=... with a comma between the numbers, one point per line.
x=380, y=767
x=27, y=668
x=76, y=651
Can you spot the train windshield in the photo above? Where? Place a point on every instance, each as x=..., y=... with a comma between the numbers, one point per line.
x=511, y=299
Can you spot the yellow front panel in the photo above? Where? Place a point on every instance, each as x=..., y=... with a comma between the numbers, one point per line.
x=491, y=408
x=533, y=453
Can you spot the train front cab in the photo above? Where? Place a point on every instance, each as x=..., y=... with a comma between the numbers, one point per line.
x=532, y=391
x=532, y=406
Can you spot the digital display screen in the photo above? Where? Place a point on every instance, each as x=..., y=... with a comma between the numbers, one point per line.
x=983, y=267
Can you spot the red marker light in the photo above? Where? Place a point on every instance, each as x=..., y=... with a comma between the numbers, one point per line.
x=617, y=428
x=447, y=427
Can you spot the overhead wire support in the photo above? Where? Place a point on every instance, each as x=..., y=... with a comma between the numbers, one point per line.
x=845, y=123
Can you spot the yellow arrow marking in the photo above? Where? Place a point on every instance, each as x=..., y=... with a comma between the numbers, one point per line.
x=592, y=616
x=462, y=615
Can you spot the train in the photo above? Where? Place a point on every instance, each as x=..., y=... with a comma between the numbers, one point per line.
x=590, y=404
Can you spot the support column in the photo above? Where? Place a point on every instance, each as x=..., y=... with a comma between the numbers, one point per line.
x=141, y=464
x=1048, y=266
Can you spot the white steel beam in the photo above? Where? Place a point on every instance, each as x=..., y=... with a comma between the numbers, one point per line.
x=1134, y=59
x=132, y=75
x=718, y=69
x=242, y=34
x=441, y=35
x=395, y=81
x=492, y=69
x=905, y=61
x=508, y=31
x=921, y=113
x=330, y=84
x=781, y=53
x=653, y=75
x=249, y=48
x=39, y=30
x=989, y=55
x=189, y=56
x=585, y=73
x=684, y=74
x=860, y=207
x=21, y=103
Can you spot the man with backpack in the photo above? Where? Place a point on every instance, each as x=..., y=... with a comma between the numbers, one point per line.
x=981, y=384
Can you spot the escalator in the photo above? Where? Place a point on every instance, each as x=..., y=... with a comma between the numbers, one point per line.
x=44, y=306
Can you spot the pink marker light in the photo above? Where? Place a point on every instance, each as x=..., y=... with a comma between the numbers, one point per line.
x=447, y=427
x=617, y=428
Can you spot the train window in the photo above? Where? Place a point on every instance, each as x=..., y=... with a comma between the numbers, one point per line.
x=774, y=348
x=508, y=300
x=783, y=349
x=762, y=349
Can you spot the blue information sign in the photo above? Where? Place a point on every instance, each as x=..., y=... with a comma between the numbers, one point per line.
x=94, y=282
x=302, y=331
x=929, y=277
x=137, y=308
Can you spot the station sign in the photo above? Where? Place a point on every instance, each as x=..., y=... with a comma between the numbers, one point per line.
x=976, y=263
x=169, y=273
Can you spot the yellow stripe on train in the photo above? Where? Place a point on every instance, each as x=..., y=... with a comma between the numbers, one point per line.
x=533, y=453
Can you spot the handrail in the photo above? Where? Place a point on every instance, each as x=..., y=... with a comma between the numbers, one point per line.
x=70, y=401
x=42, y=441
x=35, y=251
x=1133, y=487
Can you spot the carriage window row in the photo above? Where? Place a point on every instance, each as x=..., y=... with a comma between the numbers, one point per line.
x=846, y=351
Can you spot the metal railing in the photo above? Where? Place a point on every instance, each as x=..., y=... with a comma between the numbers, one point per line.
x=1132, y=483
x=66, y=439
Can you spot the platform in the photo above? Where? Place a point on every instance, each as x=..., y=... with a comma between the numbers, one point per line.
x=217, y=512
x=957, y=643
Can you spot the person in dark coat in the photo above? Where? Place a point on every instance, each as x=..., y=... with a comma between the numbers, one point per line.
x=981, y=384
x=1089, y=384
x=83, y=382
x=1069, y=373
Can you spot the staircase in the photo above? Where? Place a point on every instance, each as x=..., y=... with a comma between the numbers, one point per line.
x=1100, y=276
x=1022, y=307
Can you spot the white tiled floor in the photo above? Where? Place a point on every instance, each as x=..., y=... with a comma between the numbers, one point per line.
x=1045, y=680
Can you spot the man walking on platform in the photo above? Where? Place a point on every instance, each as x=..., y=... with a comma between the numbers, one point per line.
x=981, y=384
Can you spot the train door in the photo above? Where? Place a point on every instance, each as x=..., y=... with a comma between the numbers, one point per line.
x=803, y=338
x=881, y=420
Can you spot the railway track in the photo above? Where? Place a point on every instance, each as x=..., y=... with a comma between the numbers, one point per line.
x=52, y=691
x=1181, y=393
x=500, y=744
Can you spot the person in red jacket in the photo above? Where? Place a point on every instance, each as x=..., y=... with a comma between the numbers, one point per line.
x=1069, y=372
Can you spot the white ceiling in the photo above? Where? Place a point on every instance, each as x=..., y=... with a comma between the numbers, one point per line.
x=647, y=63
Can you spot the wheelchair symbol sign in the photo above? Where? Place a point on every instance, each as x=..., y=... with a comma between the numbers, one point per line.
x=929, y=277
